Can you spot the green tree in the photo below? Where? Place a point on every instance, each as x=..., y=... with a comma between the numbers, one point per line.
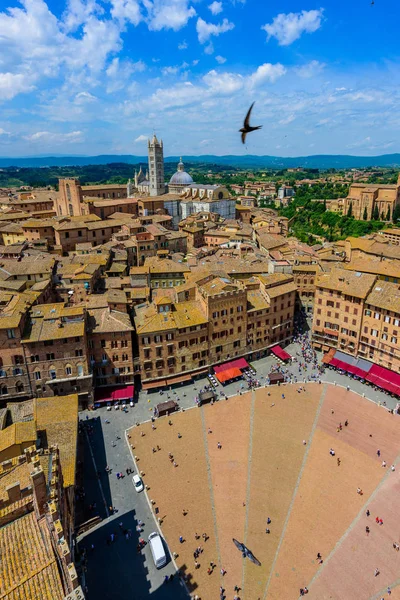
x=396, y=213
x=350, y=210
x=365, y=215
x=375, y=214
x=388, y=214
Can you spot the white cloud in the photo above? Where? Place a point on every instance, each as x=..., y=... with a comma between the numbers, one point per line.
x=141, y=138
x=126, y=10
x=215, y=7
x=84, y=97
x=206, y=30
x=310, y=69
x=267, y=72
x=169, y=70
x=209, y=49
x=78, y=12
x=225, y=83
x=195, y=62
x=183, y=45
x=168, y=14
x=4, y=132
x=287, y=28
x=13, y=84
x=119, y=73
x=220, y=59
x=48, y=136
x=204, y=143
x=287, y=120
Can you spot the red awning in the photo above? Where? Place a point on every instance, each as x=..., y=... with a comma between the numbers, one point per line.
x=281, y=353
x=239, y=363
x=228, y=374
x=125, y=393
x=114, y=393
x=339, y=364
x=385, y=379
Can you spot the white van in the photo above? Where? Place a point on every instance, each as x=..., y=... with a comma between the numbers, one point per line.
x=157, y=550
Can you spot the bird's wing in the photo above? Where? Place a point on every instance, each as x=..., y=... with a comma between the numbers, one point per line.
x=238, y=545
x=247, y=118
x=243, y=137
x=253, y=559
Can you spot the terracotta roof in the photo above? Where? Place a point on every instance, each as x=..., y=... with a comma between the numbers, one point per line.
x=385, y=295
x=373, y=265
x=28, y=569
x=17, y=433
x=58, y=416
x=351, y=283
x=184, y=314
x=162, y=266
x=256, y=300
x=103, y=320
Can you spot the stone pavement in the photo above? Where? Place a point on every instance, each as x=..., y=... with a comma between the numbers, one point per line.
x=117, y=571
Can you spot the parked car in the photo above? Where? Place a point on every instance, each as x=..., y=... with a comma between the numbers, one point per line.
x=138, y=483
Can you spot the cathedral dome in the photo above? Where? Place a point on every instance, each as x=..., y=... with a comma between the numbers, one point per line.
x=181, y=177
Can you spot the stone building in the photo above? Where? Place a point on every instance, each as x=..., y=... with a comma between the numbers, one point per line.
x=367, y=199
x=110, y=346
x=359, y=314
x=35, y=533
x=55, y=351
x=210, y=319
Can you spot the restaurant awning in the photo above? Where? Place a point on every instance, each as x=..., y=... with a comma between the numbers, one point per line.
x=228, y=374
x=179, y=379
x=238, y=363
x=114, y=393
x=326, y=359
x=124, y=393
x=151, y=385
x=280, y=353
x=384, y=378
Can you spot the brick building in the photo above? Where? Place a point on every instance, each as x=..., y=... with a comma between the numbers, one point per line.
x=365, y=199
x=211, y=319
x=110, y=346
x=55, y=351
x=359, y=314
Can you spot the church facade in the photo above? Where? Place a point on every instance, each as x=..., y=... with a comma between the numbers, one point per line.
x=367, y=201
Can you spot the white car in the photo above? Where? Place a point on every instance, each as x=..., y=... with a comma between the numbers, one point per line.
x=138, y=483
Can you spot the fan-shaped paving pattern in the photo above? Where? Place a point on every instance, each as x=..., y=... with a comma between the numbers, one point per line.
x=265, y=470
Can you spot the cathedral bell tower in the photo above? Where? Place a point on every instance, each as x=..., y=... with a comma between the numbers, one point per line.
x=156, y=167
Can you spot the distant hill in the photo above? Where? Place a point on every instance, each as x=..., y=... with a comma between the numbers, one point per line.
x=318, y=161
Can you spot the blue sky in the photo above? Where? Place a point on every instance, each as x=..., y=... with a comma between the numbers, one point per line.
x=99, y=76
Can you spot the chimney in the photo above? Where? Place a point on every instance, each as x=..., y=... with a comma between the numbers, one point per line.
x=13, y=492
x=39, y=489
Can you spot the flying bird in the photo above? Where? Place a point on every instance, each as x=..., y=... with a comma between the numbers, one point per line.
x=246, y=125
x=246, y=553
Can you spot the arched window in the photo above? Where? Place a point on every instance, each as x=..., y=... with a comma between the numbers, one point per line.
x=52, y=372
x=1, y=362
x=68, y=190
x=3, y=390
x=68, y=370
x=19, y=387
x=220, y=195
x=80, y=370
x=71, y=210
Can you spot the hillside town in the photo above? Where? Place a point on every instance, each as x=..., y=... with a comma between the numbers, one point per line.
x=108, y=291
